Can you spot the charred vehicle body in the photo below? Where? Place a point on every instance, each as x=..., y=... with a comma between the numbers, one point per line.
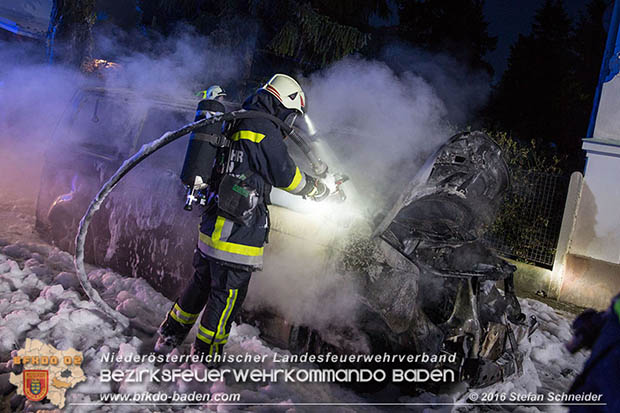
x=438, y=225
x=430, y=287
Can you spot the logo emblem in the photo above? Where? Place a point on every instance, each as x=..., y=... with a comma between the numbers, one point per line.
x=35, y=384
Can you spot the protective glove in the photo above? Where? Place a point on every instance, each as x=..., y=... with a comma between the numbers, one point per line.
x=319, y=192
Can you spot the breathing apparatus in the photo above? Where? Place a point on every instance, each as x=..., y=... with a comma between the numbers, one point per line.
x=202, y=148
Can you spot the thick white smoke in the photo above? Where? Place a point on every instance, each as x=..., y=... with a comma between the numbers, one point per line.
x=381, y=124
x=33, y=96
x=176, y=66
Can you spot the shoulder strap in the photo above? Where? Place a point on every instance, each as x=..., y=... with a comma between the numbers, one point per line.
x=255, y=114
x=320, y=168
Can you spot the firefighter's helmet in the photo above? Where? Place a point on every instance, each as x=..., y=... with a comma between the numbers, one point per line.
x=287, y=91
x=213, y=93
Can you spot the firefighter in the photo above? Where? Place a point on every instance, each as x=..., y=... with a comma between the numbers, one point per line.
x=211, y=103
x=600, y=332
x=214, y=92
x=234, y=229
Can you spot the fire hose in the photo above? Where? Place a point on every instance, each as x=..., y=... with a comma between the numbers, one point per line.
x=145, y=151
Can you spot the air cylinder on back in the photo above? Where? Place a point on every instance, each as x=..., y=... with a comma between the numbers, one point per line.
x=203, y=144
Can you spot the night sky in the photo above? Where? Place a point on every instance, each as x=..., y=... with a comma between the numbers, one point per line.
x=509, y=18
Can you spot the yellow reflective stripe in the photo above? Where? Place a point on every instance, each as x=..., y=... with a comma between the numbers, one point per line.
x=202, y=337
x=247, y=135
x=230, y=304
x=185, y=313
x=180, y=320
x=217, y=229
x=296, y=180
x=208, y=332
x=214, y=242
x=207, y=336
x=617, y=308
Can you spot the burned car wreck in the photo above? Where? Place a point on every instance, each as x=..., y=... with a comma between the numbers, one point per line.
x=432, y=289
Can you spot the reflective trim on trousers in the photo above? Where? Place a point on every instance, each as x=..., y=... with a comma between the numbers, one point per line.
x=181, y=316
x=207, y=335
x=230, y=304
x=221, y=337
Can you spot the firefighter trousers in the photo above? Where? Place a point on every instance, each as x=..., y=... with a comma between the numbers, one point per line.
x=220, y=290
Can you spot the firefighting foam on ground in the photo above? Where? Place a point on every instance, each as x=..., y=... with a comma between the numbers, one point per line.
x=42, y=299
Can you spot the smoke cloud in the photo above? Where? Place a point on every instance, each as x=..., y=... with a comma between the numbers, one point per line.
x=381, y=117
x=384, y=118
x=176, y=66
x=33, y=96
x=382, y=124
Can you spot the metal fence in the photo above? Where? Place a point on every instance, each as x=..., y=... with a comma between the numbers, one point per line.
x=529, y=223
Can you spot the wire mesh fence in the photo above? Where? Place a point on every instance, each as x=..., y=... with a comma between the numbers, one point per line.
x=528, y=226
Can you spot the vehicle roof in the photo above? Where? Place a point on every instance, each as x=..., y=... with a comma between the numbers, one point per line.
x=29, y=19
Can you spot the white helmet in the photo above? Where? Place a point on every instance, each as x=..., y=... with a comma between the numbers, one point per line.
x=213, y=92
x=287, y=91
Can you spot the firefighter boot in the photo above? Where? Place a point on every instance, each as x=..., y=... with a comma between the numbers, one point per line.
x=172, y=332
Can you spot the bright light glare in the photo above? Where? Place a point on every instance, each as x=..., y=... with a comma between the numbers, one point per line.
x=330, y=182
x=329, y=210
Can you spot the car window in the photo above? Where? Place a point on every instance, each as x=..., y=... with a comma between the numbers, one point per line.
x=101, y=124
x=158, y=121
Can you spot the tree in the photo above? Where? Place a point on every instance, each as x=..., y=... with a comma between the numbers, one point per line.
x=546, y=91
x=455, y=27
x=310, y=37
x=353, y=13
x=70, y=32
x=288, y=35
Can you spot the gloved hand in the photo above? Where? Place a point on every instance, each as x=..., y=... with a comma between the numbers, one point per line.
x=319, y=192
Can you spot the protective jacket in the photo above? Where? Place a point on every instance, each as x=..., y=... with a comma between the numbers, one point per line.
x=258, y=152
